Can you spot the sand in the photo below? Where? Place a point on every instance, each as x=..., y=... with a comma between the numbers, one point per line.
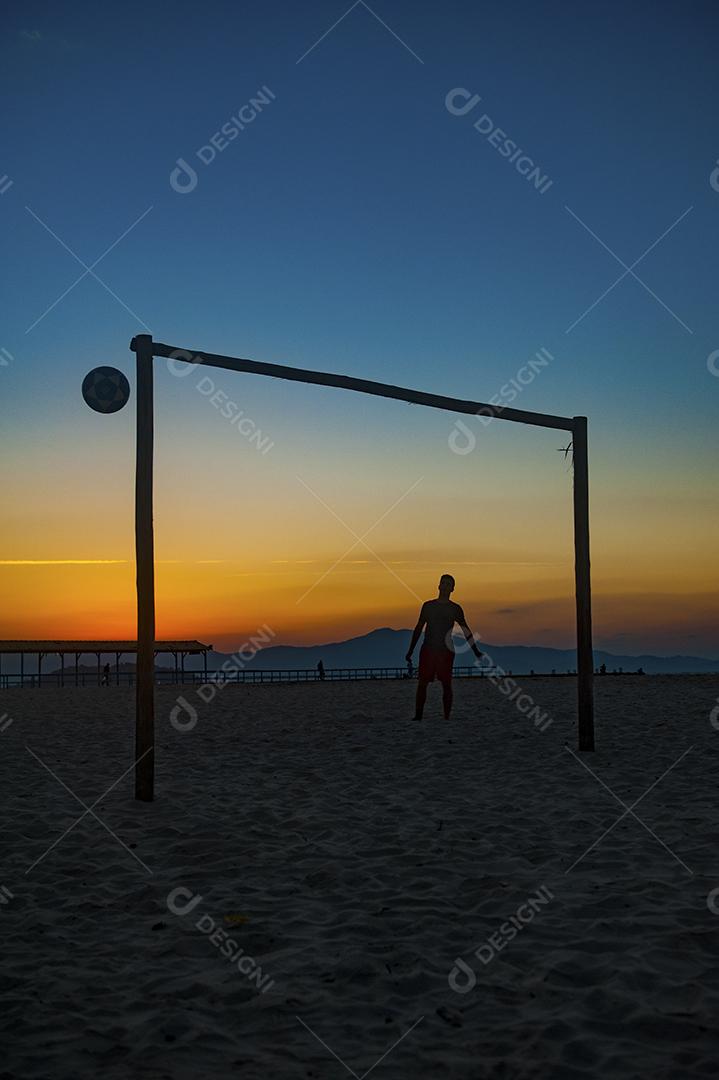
x=357, y=857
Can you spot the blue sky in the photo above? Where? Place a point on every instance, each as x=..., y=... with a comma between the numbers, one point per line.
x=356, y=225
x=356, y=209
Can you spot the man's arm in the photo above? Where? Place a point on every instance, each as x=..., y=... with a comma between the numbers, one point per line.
x=417, y=631
x=468, y=634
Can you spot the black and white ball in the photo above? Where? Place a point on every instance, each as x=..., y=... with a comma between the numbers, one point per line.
x=105, y=389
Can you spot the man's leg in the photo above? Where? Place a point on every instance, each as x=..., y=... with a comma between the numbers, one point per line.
x=421, y=698
x=447, y=697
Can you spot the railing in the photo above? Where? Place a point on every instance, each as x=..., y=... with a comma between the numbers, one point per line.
x=169, y=677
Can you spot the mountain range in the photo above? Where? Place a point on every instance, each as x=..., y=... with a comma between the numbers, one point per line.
x=387, y=648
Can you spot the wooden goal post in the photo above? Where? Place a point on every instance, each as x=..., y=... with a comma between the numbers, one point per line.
x=146, y=350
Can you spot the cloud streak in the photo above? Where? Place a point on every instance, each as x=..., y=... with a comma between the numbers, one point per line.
x=61, y=562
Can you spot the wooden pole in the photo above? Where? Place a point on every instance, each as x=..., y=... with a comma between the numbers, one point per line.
x=585, y=654
x=145, y=558
x=362, y=386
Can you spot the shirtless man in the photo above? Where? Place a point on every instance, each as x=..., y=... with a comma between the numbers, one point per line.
x=436, y=656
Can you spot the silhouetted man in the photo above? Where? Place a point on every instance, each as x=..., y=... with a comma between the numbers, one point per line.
x=321, y=671
x=436, y=656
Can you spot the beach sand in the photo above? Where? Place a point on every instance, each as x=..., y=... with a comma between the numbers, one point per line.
x=355, y=855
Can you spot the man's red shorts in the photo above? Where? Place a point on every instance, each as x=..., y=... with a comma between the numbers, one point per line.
x=435, y=664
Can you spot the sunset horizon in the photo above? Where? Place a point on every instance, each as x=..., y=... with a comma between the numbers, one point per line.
x=507, y=617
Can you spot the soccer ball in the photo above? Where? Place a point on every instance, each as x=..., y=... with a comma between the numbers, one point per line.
x=105, y=389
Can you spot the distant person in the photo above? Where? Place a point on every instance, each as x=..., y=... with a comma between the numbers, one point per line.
x=436, y=657
x=603, y=669
x=640, y=671
x=410, y=668
x=321, y=671
x=106, y=675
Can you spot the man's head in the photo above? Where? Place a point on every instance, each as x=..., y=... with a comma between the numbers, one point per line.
x=446, y=585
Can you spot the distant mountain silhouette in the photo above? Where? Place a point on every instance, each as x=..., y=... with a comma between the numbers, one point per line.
x=387, y=648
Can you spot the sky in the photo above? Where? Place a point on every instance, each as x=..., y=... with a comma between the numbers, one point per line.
x=482, y=201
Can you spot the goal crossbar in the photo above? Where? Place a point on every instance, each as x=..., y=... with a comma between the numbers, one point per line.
x=363, y=386
x=146, y=350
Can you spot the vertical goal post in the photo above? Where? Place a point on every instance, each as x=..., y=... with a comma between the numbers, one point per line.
x=146, y=350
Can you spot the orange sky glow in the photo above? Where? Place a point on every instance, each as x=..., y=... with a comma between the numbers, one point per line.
x=332, y=536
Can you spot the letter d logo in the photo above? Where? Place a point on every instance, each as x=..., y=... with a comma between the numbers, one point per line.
x=455, y=442
x=181, y=893
x=713, y=359
x=461, y=987
x=183, y=179
x=714, y=716
x=183, y=705
x=467, y=101
x=182, y=363
x=714, y=177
